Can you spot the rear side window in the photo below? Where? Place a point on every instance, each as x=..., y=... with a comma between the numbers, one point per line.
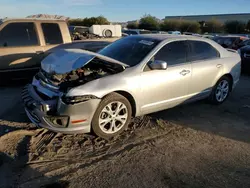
x=52, y=33
x=200, y=50
x=18, y=34
x=173, y=53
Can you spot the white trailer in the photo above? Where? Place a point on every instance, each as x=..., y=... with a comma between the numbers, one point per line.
x=106, y=30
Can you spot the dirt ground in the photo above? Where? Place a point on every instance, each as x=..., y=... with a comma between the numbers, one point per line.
x=194, y=145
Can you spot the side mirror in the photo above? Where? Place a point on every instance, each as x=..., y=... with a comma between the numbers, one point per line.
x=158, y=65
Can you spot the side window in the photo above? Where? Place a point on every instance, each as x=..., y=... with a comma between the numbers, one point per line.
x=52, y=33
x=18, y=34
x=173, y=53
x=200, y=50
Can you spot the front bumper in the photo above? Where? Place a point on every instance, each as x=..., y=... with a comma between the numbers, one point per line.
x=38, y=111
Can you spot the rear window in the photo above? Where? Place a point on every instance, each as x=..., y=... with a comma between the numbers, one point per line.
x=52, y=33
x=200, y=50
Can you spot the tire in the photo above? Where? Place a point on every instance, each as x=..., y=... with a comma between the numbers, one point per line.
x=108, y=33
x=219, y=96
x=105, y=121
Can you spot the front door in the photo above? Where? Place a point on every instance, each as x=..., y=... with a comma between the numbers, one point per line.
x=19, y=47
x=162, y=89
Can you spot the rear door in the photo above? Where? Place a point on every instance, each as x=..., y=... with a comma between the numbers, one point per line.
x=206, y=67
x=19, y=46
x=52, y=35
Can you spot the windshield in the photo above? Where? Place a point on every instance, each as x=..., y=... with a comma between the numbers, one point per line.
x=130, y=50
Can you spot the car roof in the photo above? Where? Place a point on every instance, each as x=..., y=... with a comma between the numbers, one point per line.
x=163, y=37
x=31, y=19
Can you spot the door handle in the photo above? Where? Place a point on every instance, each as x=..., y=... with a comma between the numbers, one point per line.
x=219, y=65
x=39, y=52
x=185, y=72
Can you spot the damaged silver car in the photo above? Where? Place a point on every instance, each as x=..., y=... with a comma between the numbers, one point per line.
x=78, y=91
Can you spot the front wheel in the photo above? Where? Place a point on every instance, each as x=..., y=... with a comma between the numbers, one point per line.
x=112, y=116
x=221, y=90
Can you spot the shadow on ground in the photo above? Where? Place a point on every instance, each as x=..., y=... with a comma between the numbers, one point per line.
x=10, y=170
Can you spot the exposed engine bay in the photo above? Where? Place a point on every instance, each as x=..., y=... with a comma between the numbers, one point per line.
x=95, y=69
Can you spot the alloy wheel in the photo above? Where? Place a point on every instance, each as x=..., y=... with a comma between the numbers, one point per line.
x=222, y=91
x=113, y=117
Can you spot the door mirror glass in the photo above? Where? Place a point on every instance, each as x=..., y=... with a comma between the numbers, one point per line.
x=158, y=65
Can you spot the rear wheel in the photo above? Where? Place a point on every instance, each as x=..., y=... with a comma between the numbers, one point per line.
x=112, y=116
x=108, y=33
x=221, y=90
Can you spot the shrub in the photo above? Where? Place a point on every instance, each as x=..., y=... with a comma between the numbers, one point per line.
x=149, y=22
x=180, y=25
x=133, y=25
x=100, y=20
x=235, y=26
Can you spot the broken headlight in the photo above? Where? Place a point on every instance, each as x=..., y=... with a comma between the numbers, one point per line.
x=77, y=99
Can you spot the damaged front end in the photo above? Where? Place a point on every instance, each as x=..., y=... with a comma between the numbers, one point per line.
x=46, y=101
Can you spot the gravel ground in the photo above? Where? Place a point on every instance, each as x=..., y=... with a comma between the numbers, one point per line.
x=194, y=145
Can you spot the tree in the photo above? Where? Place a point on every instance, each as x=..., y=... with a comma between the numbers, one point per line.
x=76, y=22
x=212, y=26
x=100, y=20
x=133, y=25
x=180, y=25
x=171, y=25
x=190, y=26
x=149, y=22
x=235, y=27
x=248, y=26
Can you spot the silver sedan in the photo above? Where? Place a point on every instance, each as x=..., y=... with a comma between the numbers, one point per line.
x=78, y=91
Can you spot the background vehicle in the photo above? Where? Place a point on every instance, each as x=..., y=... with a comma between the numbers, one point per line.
x=244, y=43
x=106, y=30
x=230, y=41
x=245, y=58
x=208, y=36
x=77, y=90
x=159, y=32
x=174, y=32
x=193, y=34
x=25, y=42
x=79, y=32
x=135, y=31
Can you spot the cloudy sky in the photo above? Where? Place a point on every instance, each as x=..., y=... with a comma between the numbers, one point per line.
x=121, y=10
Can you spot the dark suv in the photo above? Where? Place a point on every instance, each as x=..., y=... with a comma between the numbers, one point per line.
x=232, y=42
x=245, y=58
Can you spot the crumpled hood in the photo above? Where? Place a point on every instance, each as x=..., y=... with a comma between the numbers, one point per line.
x=65, y=60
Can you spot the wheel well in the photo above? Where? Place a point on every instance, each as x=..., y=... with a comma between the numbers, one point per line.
x=231, y=80
x=130, y=99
